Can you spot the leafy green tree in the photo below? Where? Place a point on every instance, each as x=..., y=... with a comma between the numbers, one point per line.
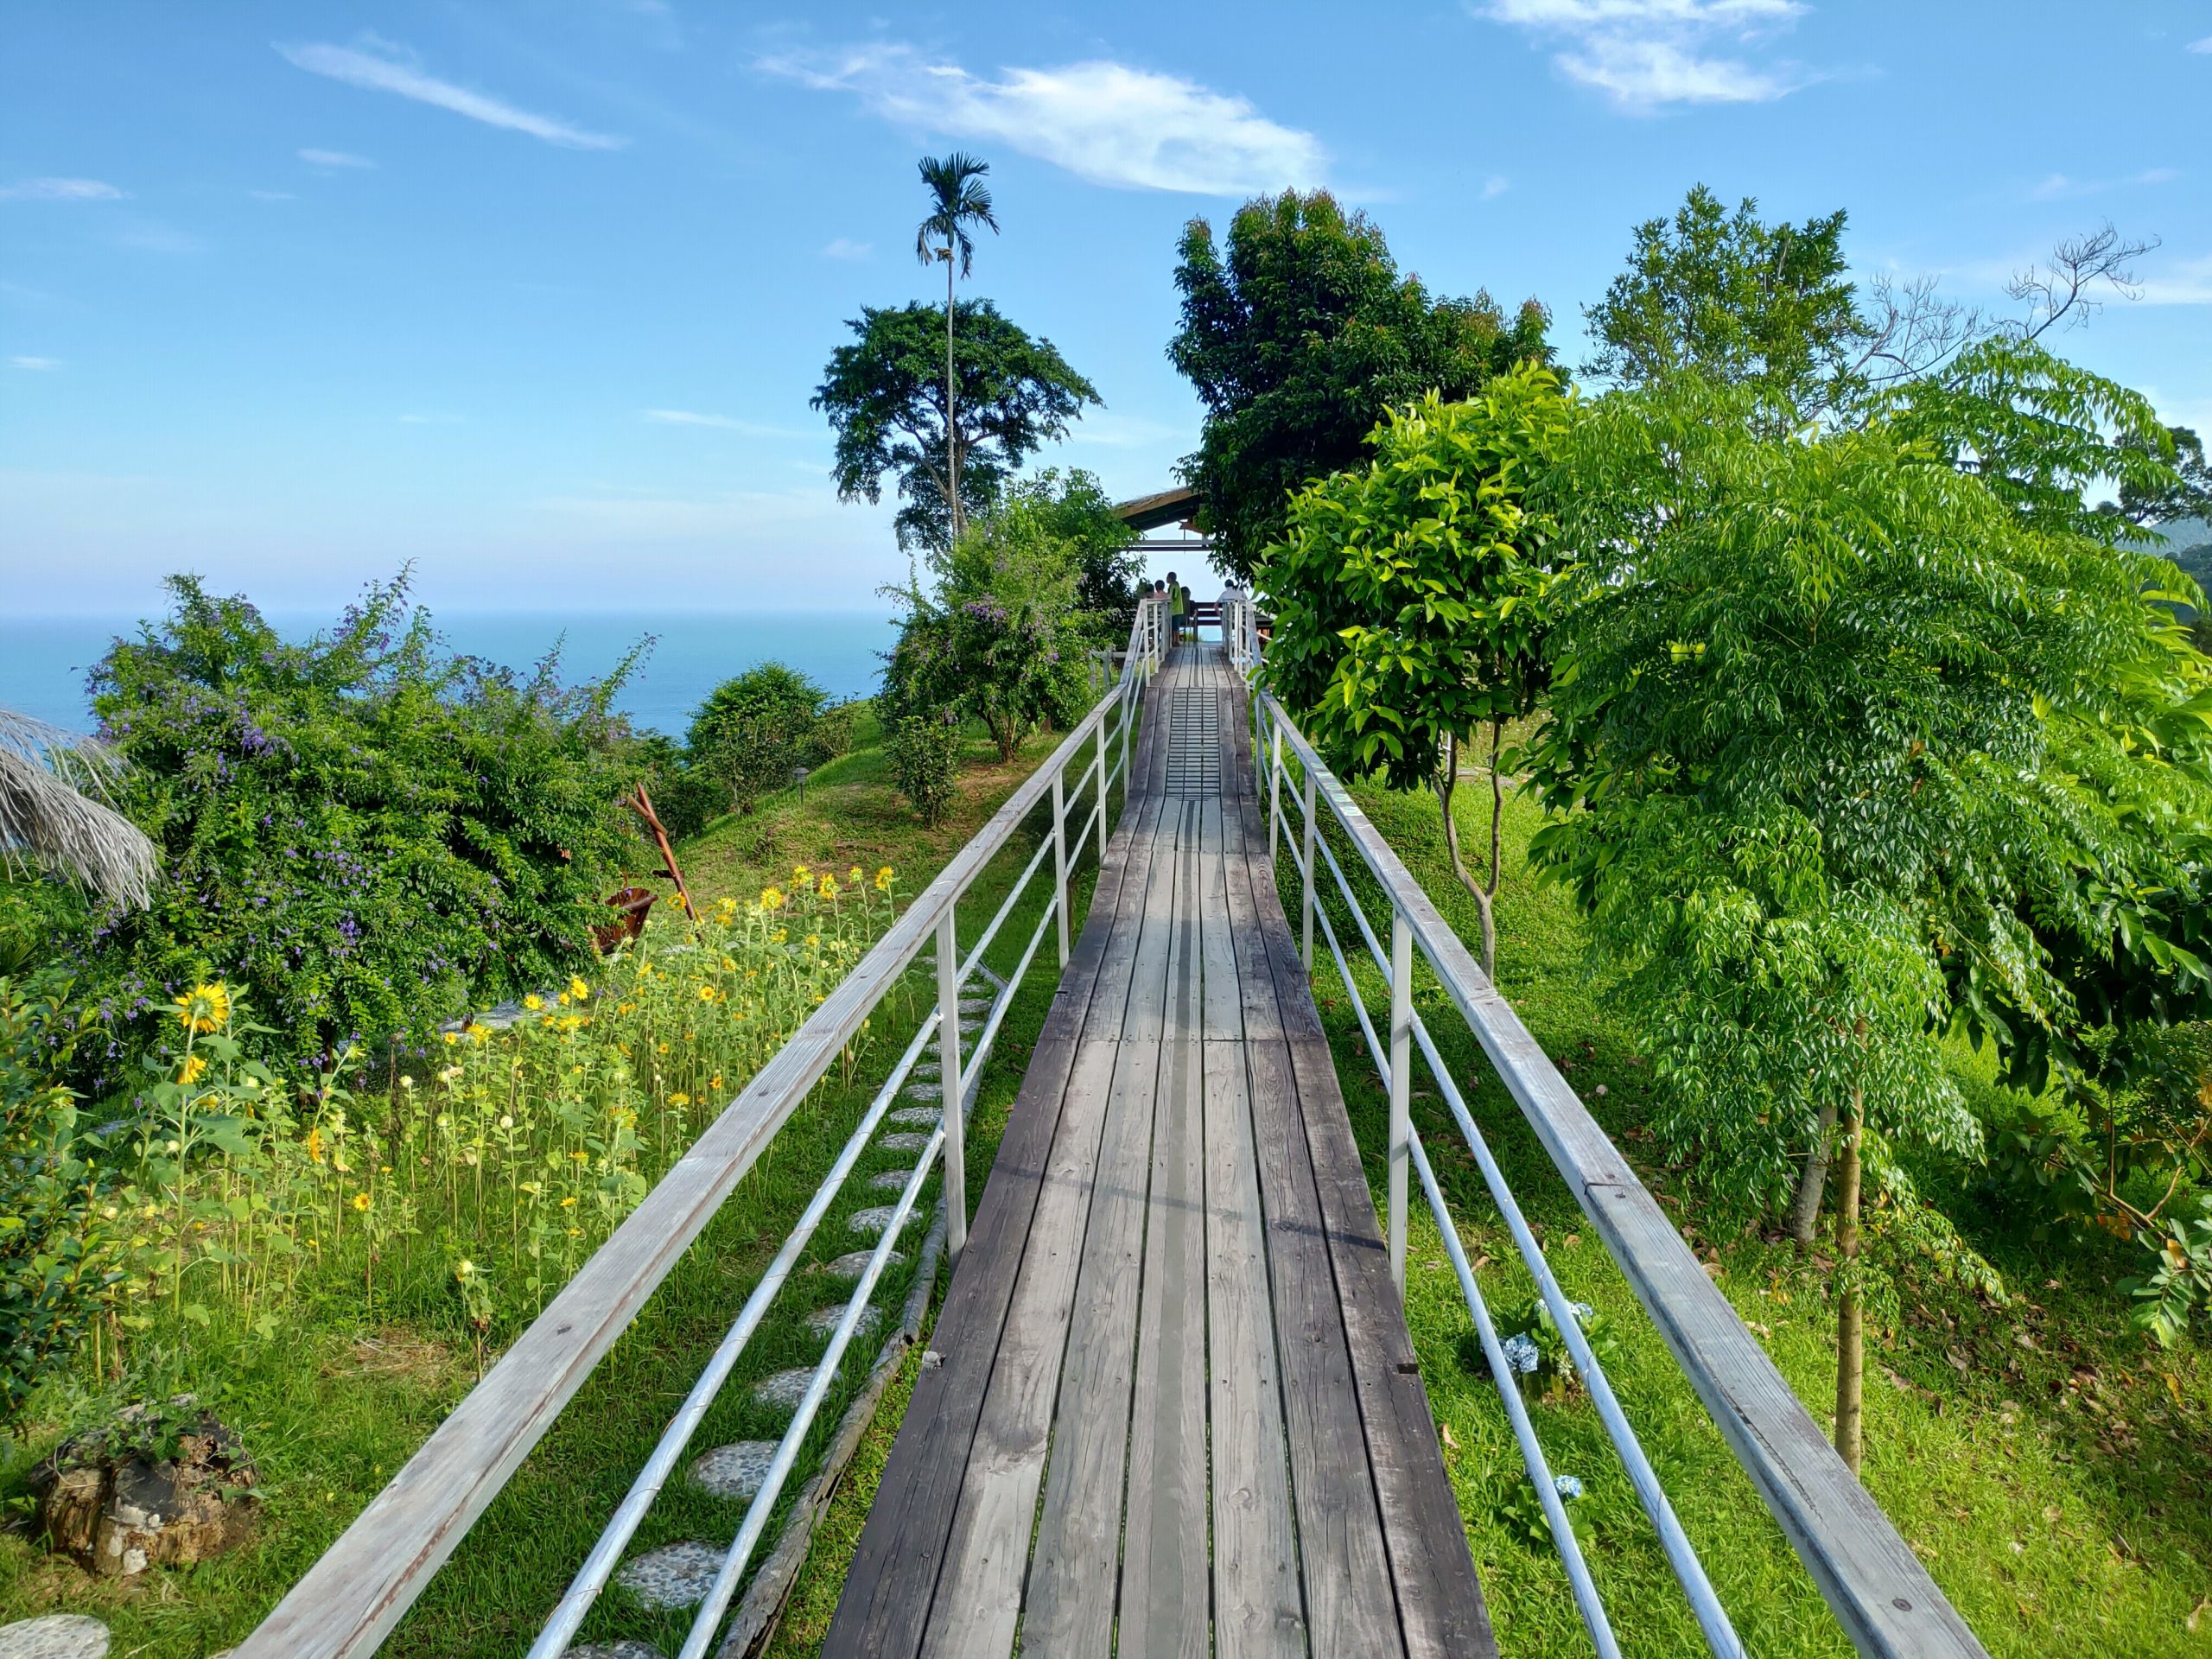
x=888, y=400
x=754, y=730
x=1811, y=748
x=2187, y=495
x=958, y=200
x=1298, y=336
x=1410, y=598
x=1075, y=511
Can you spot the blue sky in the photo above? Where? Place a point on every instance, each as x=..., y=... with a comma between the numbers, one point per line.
x=535, y=295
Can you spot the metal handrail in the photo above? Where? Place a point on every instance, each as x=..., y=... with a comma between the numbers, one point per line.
x=349, y=1600
x=1879, y=1591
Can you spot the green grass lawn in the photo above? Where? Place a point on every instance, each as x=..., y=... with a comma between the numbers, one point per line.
x=333, y=1410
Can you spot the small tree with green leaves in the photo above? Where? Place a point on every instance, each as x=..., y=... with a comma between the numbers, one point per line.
x=1410, y=600
x=1802, y=754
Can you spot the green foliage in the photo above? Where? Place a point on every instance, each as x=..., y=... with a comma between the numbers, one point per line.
x=2186, y=495
x=1298, y=337
x=370, y=830
x=924, y=755
x=754, y=732
x=885, y=397
x=1739, y=302
x=2179, y=1285
x=1074, y=512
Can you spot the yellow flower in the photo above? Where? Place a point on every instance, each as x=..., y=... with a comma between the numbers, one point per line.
x=578, y=989
x=772, y=899
x=829, y=887
x=708, y=993
x=361, y=1201
x=726, y=904
x=194, y=1069
x=533, y=1002
x=565, y=1203
x=483, y=1034
x=204, y=1008
x=798, y=871
x=452, y=1037
x=883, y=880
x=679, y=1100
x=715, y=1082
x=729, y=967
x=853, y=876
x=814, y=941
x=314, y=1145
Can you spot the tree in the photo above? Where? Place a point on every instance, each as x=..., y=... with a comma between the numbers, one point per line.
x=1297, y=338
x=1074, y=511
x=2187, y=495
x=1410, y=598
x=958, y=200
x=886, y=401
x=1813, y=746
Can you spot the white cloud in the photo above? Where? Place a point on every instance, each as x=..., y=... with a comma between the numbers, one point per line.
x=1126, y=431
x=844, y=247
x=386, y=68
x=61, y=190
x=2059, y=188
x=35, y=363
x=152, y=238
x=1496, y=186
x=1648, y=52
x=1131, y=129
x=333, y=158
x=2204, y=45
x=722, y=422
x=2188, y=283
x=273, y=195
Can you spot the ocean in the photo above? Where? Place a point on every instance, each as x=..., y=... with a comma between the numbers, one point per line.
x=43, y=659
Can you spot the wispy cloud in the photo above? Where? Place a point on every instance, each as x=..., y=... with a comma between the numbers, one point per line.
x=154, y=238
x=61, y=190
x=334, y=158
x=2188, y=283
x=382, y=67
x=721, y=422
x=1133, y=129
x=273, y=195
x=2204, y=45
x=40, y=363
x=2059, y=188
x=1644, y=54
x=844, y=247
x=1496, y=186
x=1112, y=431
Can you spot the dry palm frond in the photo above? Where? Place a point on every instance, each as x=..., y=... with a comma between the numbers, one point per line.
x=47, y=780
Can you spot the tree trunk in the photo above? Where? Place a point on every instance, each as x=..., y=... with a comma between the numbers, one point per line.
x=951, y=410
x=1851, y=1317
x=1805, y=1211
x=1447, y=781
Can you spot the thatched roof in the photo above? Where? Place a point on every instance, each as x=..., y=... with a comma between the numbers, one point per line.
x=47, y=778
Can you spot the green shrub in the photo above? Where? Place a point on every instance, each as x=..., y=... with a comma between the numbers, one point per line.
x=370, y=830
x=925, y=753
x=754, y=732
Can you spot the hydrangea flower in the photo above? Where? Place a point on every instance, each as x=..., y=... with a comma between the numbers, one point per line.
x=1520, y=1354
x=1566, y=1486
x=1583, y=1311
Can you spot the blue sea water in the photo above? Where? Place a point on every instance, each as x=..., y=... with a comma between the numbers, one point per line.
x=43, y=659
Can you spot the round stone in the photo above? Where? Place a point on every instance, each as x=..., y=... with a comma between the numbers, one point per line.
x=56, y=1636
x=853, y=1263
x=924, y=1117
x=890, y=1180
x=675, y=1575
x=824, y=1320
x=975, y=1004
x=734, y=1471
x=785, y=1388
x=624, y=1650
x=922, y=1092
x=870, y=1222
x=905, y=1140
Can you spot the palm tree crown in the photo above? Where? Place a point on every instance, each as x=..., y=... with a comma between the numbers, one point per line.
x=959, y=199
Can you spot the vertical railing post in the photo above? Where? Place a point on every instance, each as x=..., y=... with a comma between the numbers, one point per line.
x=1306, y=906
x=1402, y=1084
x=1128, y=688
x=955, y=1119
x=1060, y=854
x=1275, y=783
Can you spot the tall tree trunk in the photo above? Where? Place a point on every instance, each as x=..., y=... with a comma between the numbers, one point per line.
x=1484, y=896
x=951, y=410
x=1805, y=1211
x=1850, y=1315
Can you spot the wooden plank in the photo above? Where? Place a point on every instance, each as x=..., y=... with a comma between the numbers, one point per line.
x=1165, y=1599
x=1222, y=992
x=1259, y=1609
x=1880, y=1593
x=1348, y=1605
x=979, y=1591
x=1075, y=1556
x=1146, y=1017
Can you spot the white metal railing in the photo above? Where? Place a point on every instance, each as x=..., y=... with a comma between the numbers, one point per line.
x=1239, y=630
x=350, y=1599
x=1869, y=1576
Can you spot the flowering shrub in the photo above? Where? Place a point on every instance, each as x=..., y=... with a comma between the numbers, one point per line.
x=925, y=753
x=1537, y=1353
x=362, y=827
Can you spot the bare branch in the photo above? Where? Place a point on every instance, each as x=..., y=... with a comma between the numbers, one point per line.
x=2068, y=291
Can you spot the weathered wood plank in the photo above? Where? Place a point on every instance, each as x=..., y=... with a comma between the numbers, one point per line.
x=1223, y=1013
x=1259, y=1608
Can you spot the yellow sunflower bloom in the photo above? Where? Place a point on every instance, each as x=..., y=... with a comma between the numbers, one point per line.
x=194, y=1068
x=204, y=1008
x=533, y=1002
x=708, y=993
x=578, y=989
x=361, y=1201
x=883, y=880
x=772, y=899
x=829, y=887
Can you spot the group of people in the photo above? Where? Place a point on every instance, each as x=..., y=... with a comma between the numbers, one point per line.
x=1178, y=607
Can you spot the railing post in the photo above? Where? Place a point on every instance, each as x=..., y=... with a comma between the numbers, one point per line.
x=1305, y=907
x=1128, y=688
x=1402, y=1083
x=948, y=1048
x=1275, y=785
x=1060, y=854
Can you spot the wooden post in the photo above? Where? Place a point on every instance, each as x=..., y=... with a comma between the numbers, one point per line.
x=948, y=1048
x=1306, y=908
x=1060, y=858
x=1402, y=1083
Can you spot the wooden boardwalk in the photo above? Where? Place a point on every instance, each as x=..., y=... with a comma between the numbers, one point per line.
x=1170, y=1406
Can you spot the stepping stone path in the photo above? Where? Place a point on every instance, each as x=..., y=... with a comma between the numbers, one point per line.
x=824, y=1320
x=853, y=1263
x=970, y=1005
x=870, y=1224
x=675, y=1575
x=924, y=1117
x=615, y=1651
x=890, y=1180
x=922, y=1092
x=906, y=1141
x=56, y=1636
x=734, y=1471
x=785, y=1388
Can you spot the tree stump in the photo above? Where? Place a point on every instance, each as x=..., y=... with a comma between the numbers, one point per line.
x=160, y=1489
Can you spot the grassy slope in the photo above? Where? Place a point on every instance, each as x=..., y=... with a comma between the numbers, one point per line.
x=332, y=1410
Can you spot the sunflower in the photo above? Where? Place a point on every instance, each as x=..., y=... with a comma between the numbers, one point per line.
x=195, y=1068
x=204, y=1008
x=883, y=880
x=829, y=887
x=361, y=1201
x=578, y=989
x=772, y=899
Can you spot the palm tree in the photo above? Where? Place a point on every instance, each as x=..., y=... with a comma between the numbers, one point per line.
x=47, y=776
x=958, y=200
